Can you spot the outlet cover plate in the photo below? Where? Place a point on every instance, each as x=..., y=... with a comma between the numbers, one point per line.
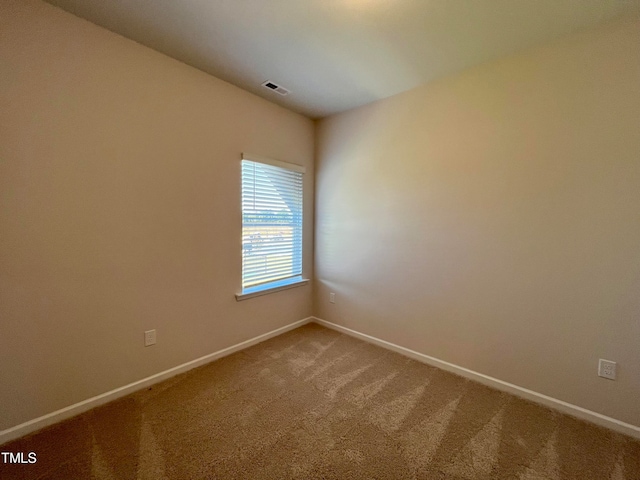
x=607, y=369
x=149, y=338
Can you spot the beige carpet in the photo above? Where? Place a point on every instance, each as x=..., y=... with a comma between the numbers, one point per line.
x=316, y=404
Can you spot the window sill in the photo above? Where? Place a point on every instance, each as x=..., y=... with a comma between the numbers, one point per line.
x=279, y=286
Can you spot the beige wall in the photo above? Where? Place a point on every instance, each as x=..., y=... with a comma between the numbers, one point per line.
x=492, y=219
x=119, y=210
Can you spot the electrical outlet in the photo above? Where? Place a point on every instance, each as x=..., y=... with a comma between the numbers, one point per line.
x=332, y=297
x=149, y=338
x=607, y=369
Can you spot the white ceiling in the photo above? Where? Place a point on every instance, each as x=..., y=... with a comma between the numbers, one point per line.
x=338, y=54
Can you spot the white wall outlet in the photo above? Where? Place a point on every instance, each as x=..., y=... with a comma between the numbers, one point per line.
x=607, y=369
x=149, y=338
x=332, y=297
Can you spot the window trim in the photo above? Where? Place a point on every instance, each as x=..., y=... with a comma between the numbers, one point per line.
x=272, y=287
x=276, y=163
x=282, y=284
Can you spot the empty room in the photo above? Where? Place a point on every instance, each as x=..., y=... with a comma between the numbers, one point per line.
x=320, y=239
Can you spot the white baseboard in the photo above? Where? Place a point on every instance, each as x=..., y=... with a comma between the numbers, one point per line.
x=554, y=403
x=80, y=407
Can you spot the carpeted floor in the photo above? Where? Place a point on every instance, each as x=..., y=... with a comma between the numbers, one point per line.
x=316, y=404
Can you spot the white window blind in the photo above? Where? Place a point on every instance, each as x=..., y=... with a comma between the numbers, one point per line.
x=271, y=222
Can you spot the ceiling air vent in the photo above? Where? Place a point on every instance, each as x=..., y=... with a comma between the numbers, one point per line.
x=276, y=88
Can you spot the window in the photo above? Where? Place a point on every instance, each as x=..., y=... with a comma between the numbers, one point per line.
x=271, y=225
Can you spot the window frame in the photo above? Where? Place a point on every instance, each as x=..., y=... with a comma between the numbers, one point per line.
x=281, y=284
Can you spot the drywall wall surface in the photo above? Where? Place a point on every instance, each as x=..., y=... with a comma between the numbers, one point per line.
x=491, y=219
x=120, y=210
